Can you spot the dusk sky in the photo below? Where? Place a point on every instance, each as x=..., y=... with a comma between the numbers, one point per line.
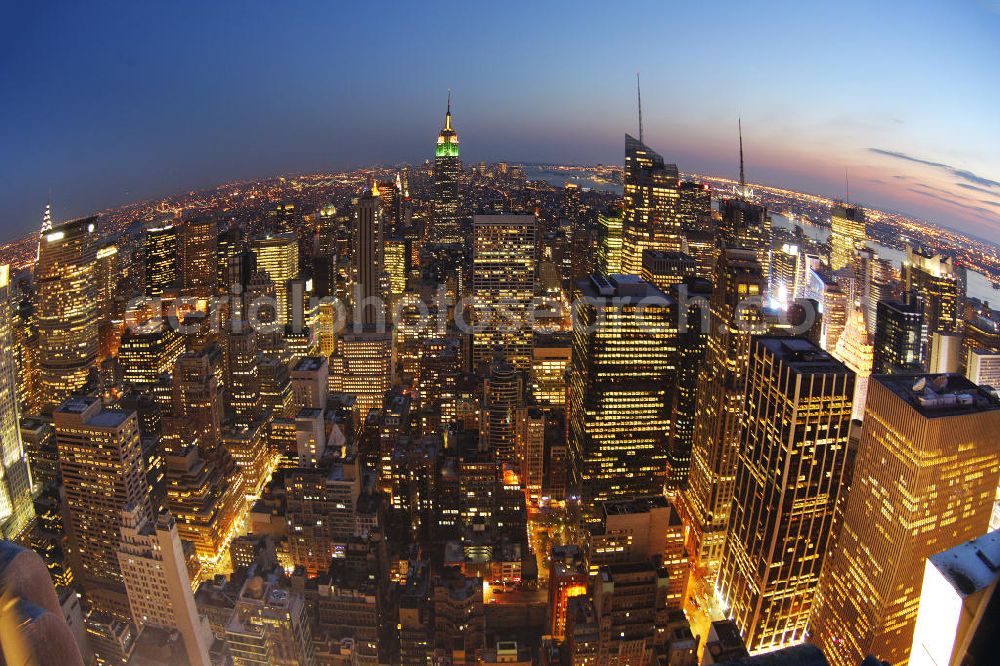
x=106, y=103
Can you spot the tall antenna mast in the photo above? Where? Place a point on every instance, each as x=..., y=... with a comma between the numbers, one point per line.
x=743, y=180
x=847, y=187
x=638, y=91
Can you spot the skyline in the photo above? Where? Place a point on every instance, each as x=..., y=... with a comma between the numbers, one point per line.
x=99, y=123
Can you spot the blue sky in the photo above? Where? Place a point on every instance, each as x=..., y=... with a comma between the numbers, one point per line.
x=110, y=102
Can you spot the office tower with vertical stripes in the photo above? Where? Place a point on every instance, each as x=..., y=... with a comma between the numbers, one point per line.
x=278, y=256
x=793, y=445
x=898, y=339
x=924, y=481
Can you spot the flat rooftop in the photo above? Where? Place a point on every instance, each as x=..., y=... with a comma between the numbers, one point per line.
x=76, y=405
x=620, y=287
x=939, y=395
x=310, y=363
x=971, y=566
x=109, y=418
x=801, y=355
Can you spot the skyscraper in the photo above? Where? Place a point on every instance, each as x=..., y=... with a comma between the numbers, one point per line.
x=692, y=344
x=855, y=350
x=390, y=195
x=503, y=286
x=898, y=338
x=652, y=192
x=270, y=624
x=735, y=316
x=160, y=251
x=362, y=366
x=874, y=278
x=100, y=456
x=108, y=275
x=198, y=251
x=849, y=233
x=156, y=578
x=242, y=376
x=746, y=225
x=609, y=245
x=503, y=393
x=983, y=367
x=446, y=228
x=624, y=356
x=786, y=268
x=16, y=508
x=924, y=481
x=67, y=309
x=147, y=352
x=935, y=278
x=278, y=255
x=793, y=445
x=666, y=269
x=368, y=270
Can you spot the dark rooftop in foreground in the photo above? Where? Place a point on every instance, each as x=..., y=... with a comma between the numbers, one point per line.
x=797, y=655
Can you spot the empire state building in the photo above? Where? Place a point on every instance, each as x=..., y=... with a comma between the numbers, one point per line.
x=446, y=229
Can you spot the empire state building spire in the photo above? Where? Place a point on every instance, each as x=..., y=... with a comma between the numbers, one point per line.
x=447, y=141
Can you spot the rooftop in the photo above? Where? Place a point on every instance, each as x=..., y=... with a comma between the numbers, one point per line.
x=801, y=355
x=310, y=363
x=619, y=287
x=76, y=405
x=971, y=566
x=805, y=654
x=109, y=418
x=939, y=395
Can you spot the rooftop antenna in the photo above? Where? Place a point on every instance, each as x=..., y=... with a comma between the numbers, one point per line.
x=638, y=91
x=743, y=180
x=847, y=187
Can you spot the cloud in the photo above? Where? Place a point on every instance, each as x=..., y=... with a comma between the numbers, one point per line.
x=978, y=211
x=981, y=190
x=964, y=174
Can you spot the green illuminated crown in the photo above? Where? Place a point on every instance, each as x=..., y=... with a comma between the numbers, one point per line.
x=447, y=144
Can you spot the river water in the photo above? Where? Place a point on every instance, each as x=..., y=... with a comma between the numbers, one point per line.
x=977, y=284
